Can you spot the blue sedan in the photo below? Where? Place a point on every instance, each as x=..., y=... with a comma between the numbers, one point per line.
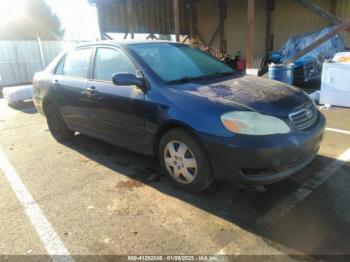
x=200, y=118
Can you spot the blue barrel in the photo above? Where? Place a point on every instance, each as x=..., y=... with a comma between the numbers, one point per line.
x=282, y=72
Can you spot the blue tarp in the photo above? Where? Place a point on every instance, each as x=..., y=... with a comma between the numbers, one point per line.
x=313, y=61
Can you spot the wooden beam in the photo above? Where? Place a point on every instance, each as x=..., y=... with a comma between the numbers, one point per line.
x=222, y=14
x=152, y=36
x=177, y=19
x=201, y=38
x=185, y=39
x=320, y=41
x=333, y=19
x=100, y=22
x=192, y=18
x=268, y=34
x=130, y=18
x=250, y=40
x=214, y=35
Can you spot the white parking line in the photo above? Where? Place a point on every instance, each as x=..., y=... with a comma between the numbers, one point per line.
x=53, y=244
x=338, y=131
x=303, y=191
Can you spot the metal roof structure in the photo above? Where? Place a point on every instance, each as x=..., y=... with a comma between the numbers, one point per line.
x=139, y=16
x=251, y=19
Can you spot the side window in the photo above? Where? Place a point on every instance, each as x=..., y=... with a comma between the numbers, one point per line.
x=76, y=63
x=110, y=61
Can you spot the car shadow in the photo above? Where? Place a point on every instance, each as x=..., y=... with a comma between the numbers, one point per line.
x=25, y=107
x=238, y=206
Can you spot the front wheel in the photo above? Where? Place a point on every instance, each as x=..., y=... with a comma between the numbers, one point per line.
x=57, y=126
x=184, y=160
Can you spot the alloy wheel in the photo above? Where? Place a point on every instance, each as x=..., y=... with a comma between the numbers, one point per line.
x=180, y=162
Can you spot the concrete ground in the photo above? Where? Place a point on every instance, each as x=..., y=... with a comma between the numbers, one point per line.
x=103, y=200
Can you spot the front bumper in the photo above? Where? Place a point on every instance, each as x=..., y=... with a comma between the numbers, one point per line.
x=38, y=104
x=263, y=160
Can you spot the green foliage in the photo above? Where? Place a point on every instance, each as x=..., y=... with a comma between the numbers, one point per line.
x=38, y=20
x=165, y=37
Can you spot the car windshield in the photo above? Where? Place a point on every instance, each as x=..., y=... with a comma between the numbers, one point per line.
x=180, y=63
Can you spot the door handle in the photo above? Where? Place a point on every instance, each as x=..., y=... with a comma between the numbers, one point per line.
x=91, y=90
x=55, y=83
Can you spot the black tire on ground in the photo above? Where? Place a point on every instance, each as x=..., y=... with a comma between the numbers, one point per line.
x=57, y=126
x=203, y=177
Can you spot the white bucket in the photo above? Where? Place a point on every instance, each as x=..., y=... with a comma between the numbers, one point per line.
x=252, y=71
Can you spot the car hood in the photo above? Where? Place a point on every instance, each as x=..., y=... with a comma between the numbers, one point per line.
x=252, y=93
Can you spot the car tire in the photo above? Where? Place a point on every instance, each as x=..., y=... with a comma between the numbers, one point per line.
x=182, y=157
x=57, y=126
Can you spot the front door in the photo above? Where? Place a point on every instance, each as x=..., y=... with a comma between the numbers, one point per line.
x=117, y=112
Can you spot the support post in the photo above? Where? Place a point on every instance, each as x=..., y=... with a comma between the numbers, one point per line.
x=177, y=19
x=192, y=18
x=100, y=22
x=222, y=14
x=131, y=18
x=250, y=40
x=269, y=36
x=41, y=52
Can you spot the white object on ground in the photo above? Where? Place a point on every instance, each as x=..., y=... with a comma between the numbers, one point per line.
x=335, y=87
x=15, y=94
x=328, y=107
x=252, y=71
x=340, y=131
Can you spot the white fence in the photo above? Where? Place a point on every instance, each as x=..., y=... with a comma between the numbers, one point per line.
x=20, y=60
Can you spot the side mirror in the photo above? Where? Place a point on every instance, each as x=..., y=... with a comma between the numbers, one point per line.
x=124, y=79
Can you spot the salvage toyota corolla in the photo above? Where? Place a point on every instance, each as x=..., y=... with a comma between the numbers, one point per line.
x=172, y=101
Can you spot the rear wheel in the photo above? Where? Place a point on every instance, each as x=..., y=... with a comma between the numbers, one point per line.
x=57, y=126
x=184, y=160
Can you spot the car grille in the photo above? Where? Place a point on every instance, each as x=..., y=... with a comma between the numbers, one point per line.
x=305, y=117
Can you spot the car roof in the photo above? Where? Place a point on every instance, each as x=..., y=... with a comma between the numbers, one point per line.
x=123, y=42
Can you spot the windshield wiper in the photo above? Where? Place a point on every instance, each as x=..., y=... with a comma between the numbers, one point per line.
x=219, y=74
x=185, y=79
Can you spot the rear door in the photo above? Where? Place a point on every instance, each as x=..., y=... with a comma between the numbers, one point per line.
x=118, y=112
x=69, y=85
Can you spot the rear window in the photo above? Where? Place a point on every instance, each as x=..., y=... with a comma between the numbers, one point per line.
x=76, y=63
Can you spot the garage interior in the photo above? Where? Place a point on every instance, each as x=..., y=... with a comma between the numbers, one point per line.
x=223, y=26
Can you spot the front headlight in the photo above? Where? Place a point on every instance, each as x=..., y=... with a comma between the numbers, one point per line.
x=252, y=123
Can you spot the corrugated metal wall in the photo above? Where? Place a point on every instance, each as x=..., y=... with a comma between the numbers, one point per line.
x=235, y=24
x=151, y=16
x=208, y=19
x=343, y=11
x=20, y=60
x=290, y=19
x=236, y=27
